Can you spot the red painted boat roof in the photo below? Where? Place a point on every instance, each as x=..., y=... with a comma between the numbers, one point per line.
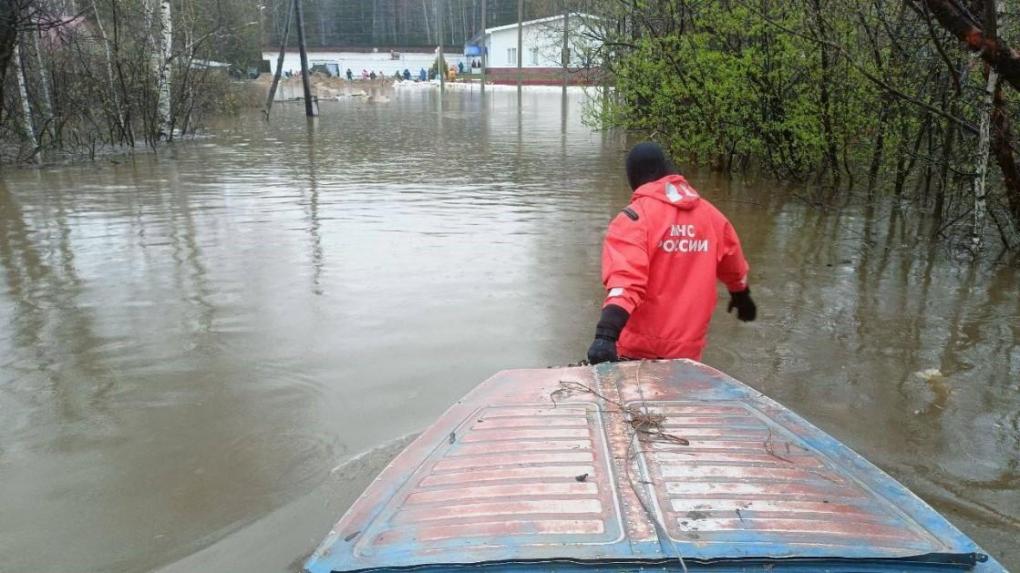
x=628, y=462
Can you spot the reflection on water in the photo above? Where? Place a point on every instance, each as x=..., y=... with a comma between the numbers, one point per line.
x=191, y=342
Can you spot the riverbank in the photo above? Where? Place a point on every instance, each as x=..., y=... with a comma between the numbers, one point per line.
x=215, y=97
x=323, y=87
x=327, y=88
x=475, y=86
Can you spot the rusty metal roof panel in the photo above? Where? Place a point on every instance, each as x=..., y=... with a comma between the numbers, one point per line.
x=629, y=463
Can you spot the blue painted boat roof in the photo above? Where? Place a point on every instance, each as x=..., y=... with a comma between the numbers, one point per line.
x=654, y=465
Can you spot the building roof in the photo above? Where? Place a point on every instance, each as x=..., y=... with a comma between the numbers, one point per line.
x=536, y=22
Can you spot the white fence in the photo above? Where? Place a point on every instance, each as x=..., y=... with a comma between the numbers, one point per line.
x=357, y=61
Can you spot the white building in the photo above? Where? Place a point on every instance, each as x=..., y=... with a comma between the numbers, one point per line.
x=542, y=46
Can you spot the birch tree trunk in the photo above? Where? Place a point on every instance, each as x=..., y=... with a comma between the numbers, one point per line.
x=45, y=103
x=151, y=47
x=164, y=120
x=981, y=167
x=428, y=28
x=1002, y=137
x=26, y=107
x=108, y=54
x=321, y=16
x=375, y=21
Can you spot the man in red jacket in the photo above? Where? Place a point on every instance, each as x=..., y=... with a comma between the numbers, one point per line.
x=660, y=262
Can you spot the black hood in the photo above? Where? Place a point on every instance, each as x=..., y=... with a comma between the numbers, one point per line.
x=647, y=162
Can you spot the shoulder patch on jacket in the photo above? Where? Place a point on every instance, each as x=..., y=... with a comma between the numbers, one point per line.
x=630, y=213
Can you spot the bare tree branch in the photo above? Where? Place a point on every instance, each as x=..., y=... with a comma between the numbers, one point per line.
x=993, y=50
x=872, y=77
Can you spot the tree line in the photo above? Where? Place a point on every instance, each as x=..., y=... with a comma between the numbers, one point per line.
x=917, y=98
x=78, y=76
x=914, y=98
x=400, y=23
x=81, y=76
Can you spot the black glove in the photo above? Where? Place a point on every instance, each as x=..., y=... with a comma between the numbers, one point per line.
x=746, y=309
x=602, y=350
x=607, y=332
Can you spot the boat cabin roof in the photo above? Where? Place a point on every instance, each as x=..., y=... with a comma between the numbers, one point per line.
x=655, y=465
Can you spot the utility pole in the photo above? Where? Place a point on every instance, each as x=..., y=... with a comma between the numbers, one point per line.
x=279, y=61
x=566, y=47
x=440, y=61
x=485, y=45
x=310, y=110
x=520, y=47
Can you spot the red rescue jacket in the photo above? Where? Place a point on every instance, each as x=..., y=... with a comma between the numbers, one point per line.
x=661, y=258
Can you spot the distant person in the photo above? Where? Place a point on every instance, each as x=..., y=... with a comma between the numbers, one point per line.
x=371, y=76
x=350, y=75
x=422, y=75
x=407, y=74
x=660, y=262
x=397, y=76
x=460, y=68
x=364, y=74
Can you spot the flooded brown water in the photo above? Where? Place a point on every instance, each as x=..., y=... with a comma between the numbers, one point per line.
x=206, y=355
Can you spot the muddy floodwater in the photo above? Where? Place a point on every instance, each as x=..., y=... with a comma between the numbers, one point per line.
x=206, y=355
